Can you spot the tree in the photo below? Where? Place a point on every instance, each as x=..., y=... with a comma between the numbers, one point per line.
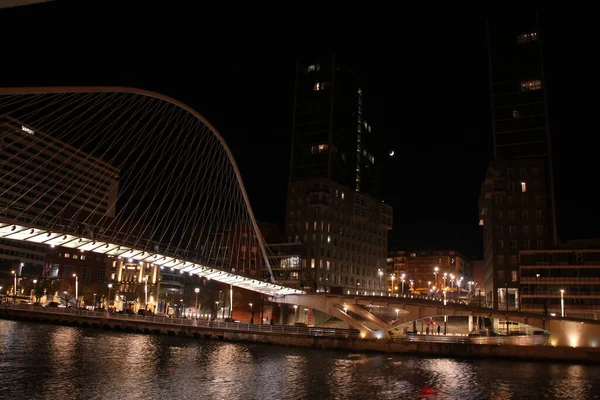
x=66, y=296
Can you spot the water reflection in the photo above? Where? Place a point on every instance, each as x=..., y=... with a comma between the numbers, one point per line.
x=50, y=362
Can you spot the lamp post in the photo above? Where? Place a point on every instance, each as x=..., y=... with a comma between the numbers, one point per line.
x=444, y=279
x=397, y=311
x=412, y=283
x=392, y=276
x=76, y=290
x=295, y=311
x=251, y=313
x=435, y=274
x=94, y=305
x=445, y=315
x=34, y=291
x=452, y=283
x=146, y=291
x=197, y=290
x=15, y=287
x=562, y=303
x=108, y=298
x=402, y=280
x=380, y=272
x=506, y=294
x=429, y=285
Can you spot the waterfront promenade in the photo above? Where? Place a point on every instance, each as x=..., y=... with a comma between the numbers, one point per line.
x=314, y=337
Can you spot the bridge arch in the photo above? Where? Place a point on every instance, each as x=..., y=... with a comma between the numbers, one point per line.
x=14, y=95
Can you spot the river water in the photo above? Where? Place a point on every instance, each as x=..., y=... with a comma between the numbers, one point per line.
x=59, y=362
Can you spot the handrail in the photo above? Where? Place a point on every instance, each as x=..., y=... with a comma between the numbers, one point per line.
x=200, y=323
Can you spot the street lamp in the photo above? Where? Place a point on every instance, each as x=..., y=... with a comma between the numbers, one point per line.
x=380, y=272
x=393, y=276
x=76, y=290
x=562, y=302
x=411, y=285
x=94, y=305
x=435, y=274
x=108, y=301
x=251, y=313
x=295, y=309
x=444, y=278
x=146, y=291
x=397, y=311
x=402, y=280
x=197, y=290
x=15, y=287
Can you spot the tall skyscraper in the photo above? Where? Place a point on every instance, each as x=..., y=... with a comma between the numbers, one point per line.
x=332, y=203
x=517, y=204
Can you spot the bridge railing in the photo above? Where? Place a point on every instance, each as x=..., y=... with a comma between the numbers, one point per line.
x=202, y=323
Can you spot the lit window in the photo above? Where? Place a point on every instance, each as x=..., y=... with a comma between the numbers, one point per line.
x=82, y=257
x=319, y=148
x=523, y=187
x=67, y=255
x=527, y=37
x=342, y=195
x=75, y=257
x=313, y=67
x=516, y=114
x=359, y=91
x=318, y=86
x=328, y=239
x=528, y=86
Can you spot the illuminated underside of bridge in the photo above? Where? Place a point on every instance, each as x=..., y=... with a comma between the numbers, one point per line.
x=29, y=234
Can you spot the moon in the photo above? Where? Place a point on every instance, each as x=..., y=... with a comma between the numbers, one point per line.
x=392, y=153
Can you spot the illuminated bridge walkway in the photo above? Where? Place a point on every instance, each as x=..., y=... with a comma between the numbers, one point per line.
x=130, y=174
x=356, y=310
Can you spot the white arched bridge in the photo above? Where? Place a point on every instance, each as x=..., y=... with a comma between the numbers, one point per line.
x=127, y=173
x=137, y=175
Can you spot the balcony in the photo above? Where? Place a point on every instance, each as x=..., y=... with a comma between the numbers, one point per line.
x=318, y=201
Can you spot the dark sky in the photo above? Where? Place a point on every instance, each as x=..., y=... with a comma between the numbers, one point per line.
x=427, y=75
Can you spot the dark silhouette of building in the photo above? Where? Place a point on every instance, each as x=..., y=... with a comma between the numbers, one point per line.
x=332, y=206
x=517, y=206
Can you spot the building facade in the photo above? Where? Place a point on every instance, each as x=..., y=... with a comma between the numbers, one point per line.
x=564, y=280
x=429, y=272
x=514, y=215
x=332, y=202
x=517, y=206
x=344, y=235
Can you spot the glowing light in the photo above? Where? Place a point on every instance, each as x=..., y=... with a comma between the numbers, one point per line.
x=392, y=152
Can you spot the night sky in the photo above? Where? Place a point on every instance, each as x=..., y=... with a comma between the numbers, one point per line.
x=427, y=75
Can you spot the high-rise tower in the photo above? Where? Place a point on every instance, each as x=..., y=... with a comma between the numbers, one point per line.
x=517, y=203
x=332, y=203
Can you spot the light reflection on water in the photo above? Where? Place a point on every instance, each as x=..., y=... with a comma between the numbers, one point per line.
x=55, y=362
